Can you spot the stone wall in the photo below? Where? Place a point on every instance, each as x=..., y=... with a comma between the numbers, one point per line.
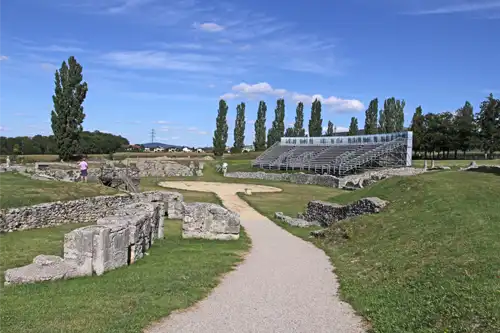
x=320, y=213
x=367, y=178
x=327, y=213
x=83, y=210
x=348, y=182
x=115, y=241
x=125, y=228
x=296, y=178
x=163, y=167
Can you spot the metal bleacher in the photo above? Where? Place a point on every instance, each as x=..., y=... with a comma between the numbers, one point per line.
x=338, y=155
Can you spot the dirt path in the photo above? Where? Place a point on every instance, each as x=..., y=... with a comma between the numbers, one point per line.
x=284, y=285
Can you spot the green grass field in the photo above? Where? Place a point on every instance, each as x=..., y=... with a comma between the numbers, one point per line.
x=429, y=263
x=18, y=190
x=175, y=275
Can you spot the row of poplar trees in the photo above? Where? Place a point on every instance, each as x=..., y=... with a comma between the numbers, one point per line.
x=391, y=120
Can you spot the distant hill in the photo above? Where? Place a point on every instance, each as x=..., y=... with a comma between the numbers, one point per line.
x=159, y=145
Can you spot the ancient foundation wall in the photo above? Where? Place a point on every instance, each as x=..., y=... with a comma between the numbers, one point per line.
x=296, y=178
x=85, y=210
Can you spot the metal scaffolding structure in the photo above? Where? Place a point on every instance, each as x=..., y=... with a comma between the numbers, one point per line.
x=338, y=155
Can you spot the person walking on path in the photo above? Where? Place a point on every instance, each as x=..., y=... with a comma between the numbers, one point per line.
x=83, y=169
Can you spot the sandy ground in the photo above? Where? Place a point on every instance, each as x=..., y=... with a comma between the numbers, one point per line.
x=284, y=285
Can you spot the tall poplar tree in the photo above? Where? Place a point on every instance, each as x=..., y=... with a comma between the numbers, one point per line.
x=371, y=116
x=277, y=130
x=260, y=128
x=315, y=123
x=330, y=130
x=239, y=129
x=353, y=127
x=298, y=127
x=392, y=116
x=67, y=116
x=221, y=128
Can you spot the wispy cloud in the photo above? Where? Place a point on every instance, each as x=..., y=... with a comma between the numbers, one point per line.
x=55, y=49
x=3, y=129
x=263, y=89
x=3, y=57
x=209, y=26
x=460, y=7
x=228, y=40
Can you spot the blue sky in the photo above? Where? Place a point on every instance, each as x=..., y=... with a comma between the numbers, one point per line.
x=164, y=64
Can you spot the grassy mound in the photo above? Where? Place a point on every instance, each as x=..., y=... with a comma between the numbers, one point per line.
x=431, y=261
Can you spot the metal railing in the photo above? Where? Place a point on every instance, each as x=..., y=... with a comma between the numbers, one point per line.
x=370, y=155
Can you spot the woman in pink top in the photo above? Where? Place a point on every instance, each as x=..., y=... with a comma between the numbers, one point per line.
x=83, y=169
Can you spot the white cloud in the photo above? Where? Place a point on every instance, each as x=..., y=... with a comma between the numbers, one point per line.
x=148, y=59
x=3, y=129
x=56, y=49
x=3, y=57
x=48, y=67
x=197, y=131
x=339, y=129
x=162, y=122
x=209, y=26
x=244, y=90
x=461, y=8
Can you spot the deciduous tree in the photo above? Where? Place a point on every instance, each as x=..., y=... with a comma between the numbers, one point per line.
x=353, y=127
x=260, y=128
x=417, y=126
x=316, y=123
x=488, y=121
x=371, y=116
x=239, y=129
x=298, y=127
x=67, y=116
x=330, y=130
x=465, y=127
x=277, y=130
x=221, y=128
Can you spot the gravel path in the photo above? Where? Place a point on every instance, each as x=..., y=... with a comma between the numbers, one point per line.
x=284, y=285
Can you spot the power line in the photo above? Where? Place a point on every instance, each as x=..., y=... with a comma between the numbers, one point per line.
x=153, y=134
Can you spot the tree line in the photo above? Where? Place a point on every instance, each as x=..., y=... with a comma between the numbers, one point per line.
x=391, y=120
x=89, y=143
x=460, y=131
x=440, y=133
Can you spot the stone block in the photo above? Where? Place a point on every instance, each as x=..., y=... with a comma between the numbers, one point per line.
x=111, y=248
x=78, y=248
x=210, y=221
x=296, y=222
x=43, y=268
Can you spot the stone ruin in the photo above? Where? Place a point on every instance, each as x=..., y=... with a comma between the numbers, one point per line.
x=325, y=214
x=113, y=242
x=210, y=221
x=120, y=238
x=125, y=179
x=473, y=166
x=164, y=167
